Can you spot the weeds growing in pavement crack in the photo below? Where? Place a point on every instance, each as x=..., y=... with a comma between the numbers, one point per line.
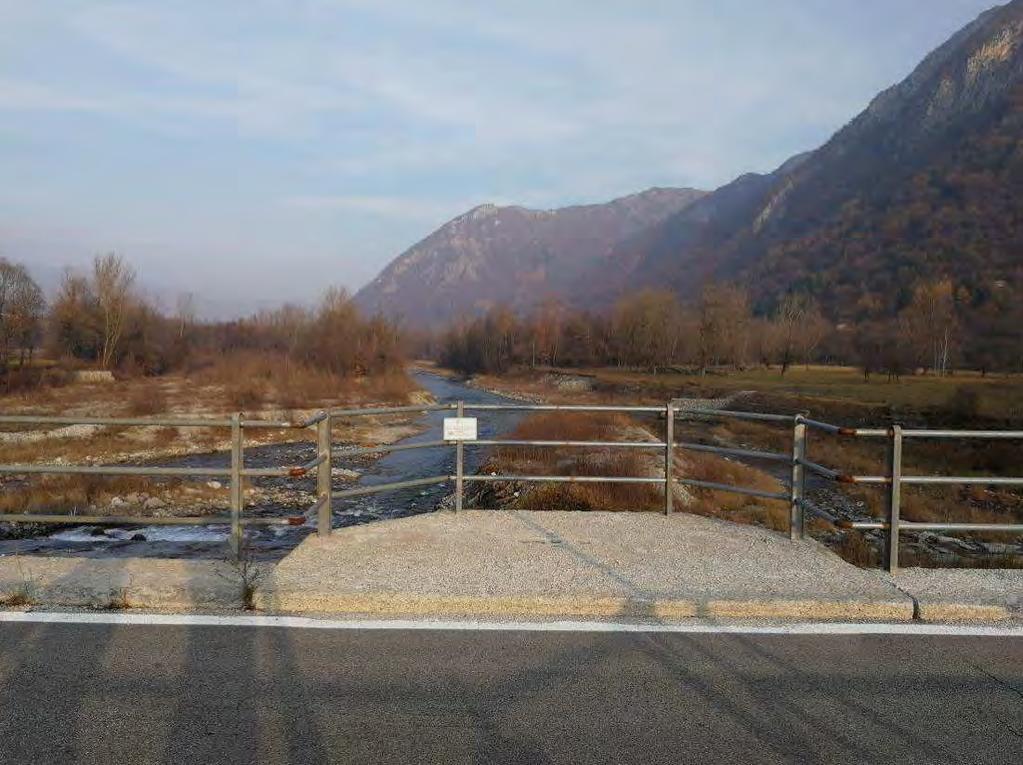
x=246, y=573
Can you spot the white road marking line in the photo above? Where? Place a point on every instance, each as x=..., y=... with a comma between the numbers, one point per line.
x=305, y=622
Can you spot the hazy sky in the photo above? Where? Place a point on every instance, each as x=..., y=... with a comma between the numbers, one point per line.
x=257, y=150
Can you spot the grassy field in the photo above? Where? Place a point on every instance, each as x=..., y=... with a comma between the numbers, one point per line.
x=997, y=396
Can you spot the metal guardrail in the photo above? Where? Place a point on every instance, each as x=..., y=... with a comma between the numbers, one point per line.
x=893, y=480
x=324, y=423
x=235, y=473
x=797, y=457
x=667, y=446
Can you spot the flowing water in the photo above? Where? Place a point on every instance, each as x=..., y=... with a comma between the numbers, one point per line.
x=268, y=543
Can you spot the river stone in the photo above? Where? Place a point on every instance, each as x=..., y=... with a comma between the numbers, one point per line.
x=138, y=537
x=215, y=484
x=154, y=503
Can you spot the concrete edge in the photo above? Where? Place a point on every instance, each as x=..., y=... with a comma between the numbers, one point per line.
x=406, y=604
x=963, y=612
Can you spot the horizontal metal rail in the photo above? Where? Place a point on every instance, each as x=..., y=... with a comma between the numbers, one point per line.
x=563, y=478
x=382, y=487
x=824, y=472
x=733, y=489
x=983, y=434
x=827, y=427
x=865, y=479
x=729, y=452
x=840, y=430
x=583, y=444
x=728, y=413
x=962, y=480
x=286, y=472
x=813, y=507
x=562, y=408
x=138, y=520
x=863, y=525
x=357, y=450
x=1011, y=528
x=390, y=410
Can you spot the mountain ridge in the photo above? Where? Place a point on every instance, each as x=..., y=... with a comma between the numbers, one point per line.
x=922, y=184
x=509, y=254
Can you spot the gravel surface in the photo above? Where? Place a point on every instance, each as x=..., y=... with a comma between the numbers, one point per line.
x=606, y=564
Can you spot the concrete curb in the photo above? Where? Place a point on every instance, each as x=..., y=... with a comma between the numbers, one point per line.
x=963, y=612
x=406, y=604
x=963, y=595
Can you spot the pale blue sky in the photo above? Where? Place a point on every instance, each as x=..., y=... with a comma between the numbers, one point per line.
x=257, y=150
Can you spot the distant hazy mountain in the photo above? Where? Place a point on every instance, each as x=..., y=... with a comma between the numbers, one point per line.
x=925, y=183
x=511, y=255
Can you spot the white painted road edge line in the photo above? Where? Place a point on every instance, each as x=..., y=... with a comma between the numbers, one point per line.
x=305, y=622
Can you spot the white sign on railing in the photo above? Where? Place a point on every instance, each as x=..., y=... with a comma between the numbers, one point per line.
x=460, y=429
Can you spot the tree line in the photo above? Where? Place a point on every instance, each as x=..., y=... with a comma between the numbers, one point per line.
x=652, y=329
x=100, y=318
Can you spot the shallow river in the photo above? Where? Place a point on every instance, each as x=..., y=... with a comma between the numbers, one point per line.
x=273, y=542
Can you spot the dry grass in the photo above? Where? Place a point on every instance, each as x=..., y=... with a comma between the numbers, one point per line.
x=855, y=549
x=77, y=494
x=19, y=597
x=147, y=400
x=252, y=380
x=738, y=508
x=628, y=463
x=580, y=462
x=118, y=600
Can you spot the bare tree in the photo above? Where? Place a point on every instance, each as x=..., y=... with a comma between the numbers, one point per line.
x=113, y=279
x=646, y=328
x=186, y=313
x=931, y=324
x=789, y=321
x=21, y=312
x=27, y=311
x=812, y=331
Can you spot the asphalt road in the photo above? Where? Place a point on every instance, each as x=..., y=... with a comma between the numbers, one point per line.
x=189, y=694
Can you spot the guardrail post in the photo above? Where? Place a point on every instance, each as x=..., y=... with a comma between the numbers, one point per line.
x=894, y=499
x=669, y=457
x=459, y=463
x=324, y=471
x=796, y=514
x=237, y=459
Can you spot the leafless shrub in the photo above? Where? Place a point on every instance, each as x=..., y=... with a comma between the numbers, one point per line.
x=23, y=593
x=246, y=573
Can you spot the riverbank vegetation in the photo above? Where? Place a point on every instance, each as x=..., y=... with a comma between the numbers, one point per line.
x=101, y=348
x=99, y=322
x=932, y=333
